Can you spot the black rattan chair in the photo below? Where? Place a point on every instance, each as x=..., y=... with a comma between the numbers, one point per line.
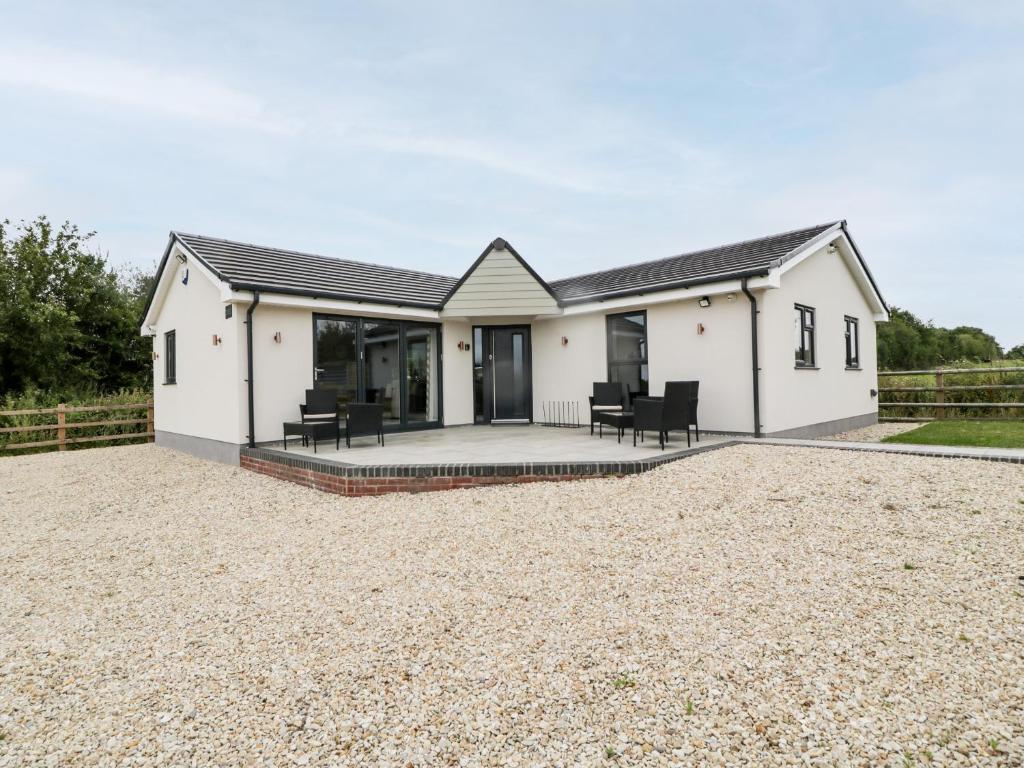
x=665, y=414
x=319, y=418
x=607, y=397
x=364, y=419
x=694, y=387
x=320, y=405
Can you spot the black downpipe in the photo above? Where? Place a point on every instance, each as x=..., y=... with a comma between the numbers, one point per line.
x=248, y=338
x=753, y=357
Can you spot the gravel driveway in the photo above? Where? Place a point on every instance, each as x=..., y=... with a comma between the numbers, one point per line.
x=754, y=605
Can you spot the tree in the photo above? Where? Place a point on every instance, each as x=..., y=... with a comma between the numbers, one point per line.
x=68, y=323
x=905, y=342
x=1015, y=353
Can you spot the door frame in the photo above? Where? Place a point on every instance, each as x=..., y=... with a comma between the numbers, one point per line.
x=488, y=369
x=404, y=424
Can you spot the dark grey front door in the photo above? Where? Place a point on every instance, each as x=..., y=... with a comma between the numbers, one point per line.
x=511, y=376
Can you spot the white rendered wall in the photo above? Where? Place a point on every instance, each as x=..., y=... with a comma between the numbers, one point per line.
x=719, y=358
x=567, y=372
x=204, y=401
x=793, y=397
x=457, y=368
x=282, y=371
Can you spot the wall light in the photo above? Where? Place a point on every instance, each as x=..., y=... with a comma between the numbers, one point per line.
x=277, y=336
x=700, y=329
x=704, y=301
x=181, y=257
x=565, y=341
x=216, y=339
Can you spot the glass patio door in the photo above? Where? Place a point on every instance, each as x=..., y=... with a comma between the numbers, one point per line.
x=391, y=362
x=335, y=352
x=421, y=364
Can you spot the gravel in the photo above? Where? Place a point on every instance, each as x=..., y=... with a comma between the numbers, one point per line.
x=754, y=605
x=876, y=432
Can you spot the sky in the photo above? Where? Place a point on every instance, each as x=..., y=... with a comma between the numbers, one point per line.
x=588, y=134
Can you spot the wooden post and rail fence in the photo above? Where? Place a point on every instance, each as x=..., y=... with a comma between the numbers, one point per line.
x=949, y=397
x=63, y=426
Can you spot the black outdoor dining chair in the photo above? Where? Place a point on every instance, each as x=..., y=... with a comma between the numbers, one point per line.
x=662, y=415
x=607, y=397
x=364, y=419
x=320, y=405
x=694, y=388
x=318, y=419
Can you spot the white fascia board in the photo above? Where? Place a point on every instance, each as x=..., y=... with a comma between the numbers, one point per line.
x=359, y=308
x=837, y=237
x=794, y=257
x=164, y=282
x=676, y=294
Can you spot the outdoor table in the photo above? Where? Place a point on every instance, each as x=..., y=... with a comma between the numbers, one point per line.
x=317, y=430
x=620, y=420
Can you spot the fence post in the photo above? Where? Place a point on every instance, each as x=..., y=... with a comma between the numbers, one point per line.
x=62, y=433
x=940, y=395
x=149, y=422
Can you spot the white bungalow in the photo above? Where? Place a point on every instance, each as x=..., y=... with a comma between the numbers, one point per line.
x=780, y=332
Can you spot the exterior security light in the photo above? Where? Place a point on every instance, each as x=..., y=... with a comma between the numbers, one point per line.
x=181, y=257
x=705, y=301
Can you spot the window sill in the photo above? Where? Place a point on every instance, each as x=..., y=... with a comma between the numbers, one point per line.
x=806, y=368
x=169, y=383
x=854, y=368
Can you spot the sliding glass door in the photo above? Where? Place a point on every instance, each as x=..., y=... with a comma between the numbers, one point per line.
x=421, y=367
x=391, y=362
x=336, y=354
x=382, y=367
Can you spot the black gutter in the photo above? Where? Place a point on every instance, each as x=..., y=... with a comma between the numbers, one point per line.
x=623, y=293
x=248, y=338
x=753, y=357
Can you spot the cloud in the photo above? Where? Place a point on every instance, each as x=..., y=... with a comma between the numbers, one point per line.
x=180, y=93
x=527, y=165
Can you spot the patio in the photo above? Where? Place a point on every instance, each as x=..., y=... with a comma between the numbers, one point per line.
x=465, y=456
x=498, y=445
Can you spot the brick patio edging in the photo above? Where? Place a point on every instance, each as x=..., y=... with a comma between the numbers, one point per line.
x=374, y=480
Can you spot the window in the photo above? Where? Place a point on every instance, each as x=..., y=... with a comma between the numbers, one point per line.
x=627, y=351
x=479, y=415
x=170, y=358
x=852, y=343
x=803, y=327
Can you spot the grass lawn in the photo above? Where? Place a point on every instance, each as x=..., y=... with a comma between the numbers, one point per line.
x=987, y=434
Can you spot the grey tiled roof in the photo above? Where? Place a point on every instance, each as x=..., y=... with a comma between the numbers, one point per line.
x=723, y=262
x=276, y=270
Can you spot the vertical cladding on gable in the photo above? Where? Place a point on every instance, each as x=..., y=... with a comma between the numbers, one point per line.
x=501, y=285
